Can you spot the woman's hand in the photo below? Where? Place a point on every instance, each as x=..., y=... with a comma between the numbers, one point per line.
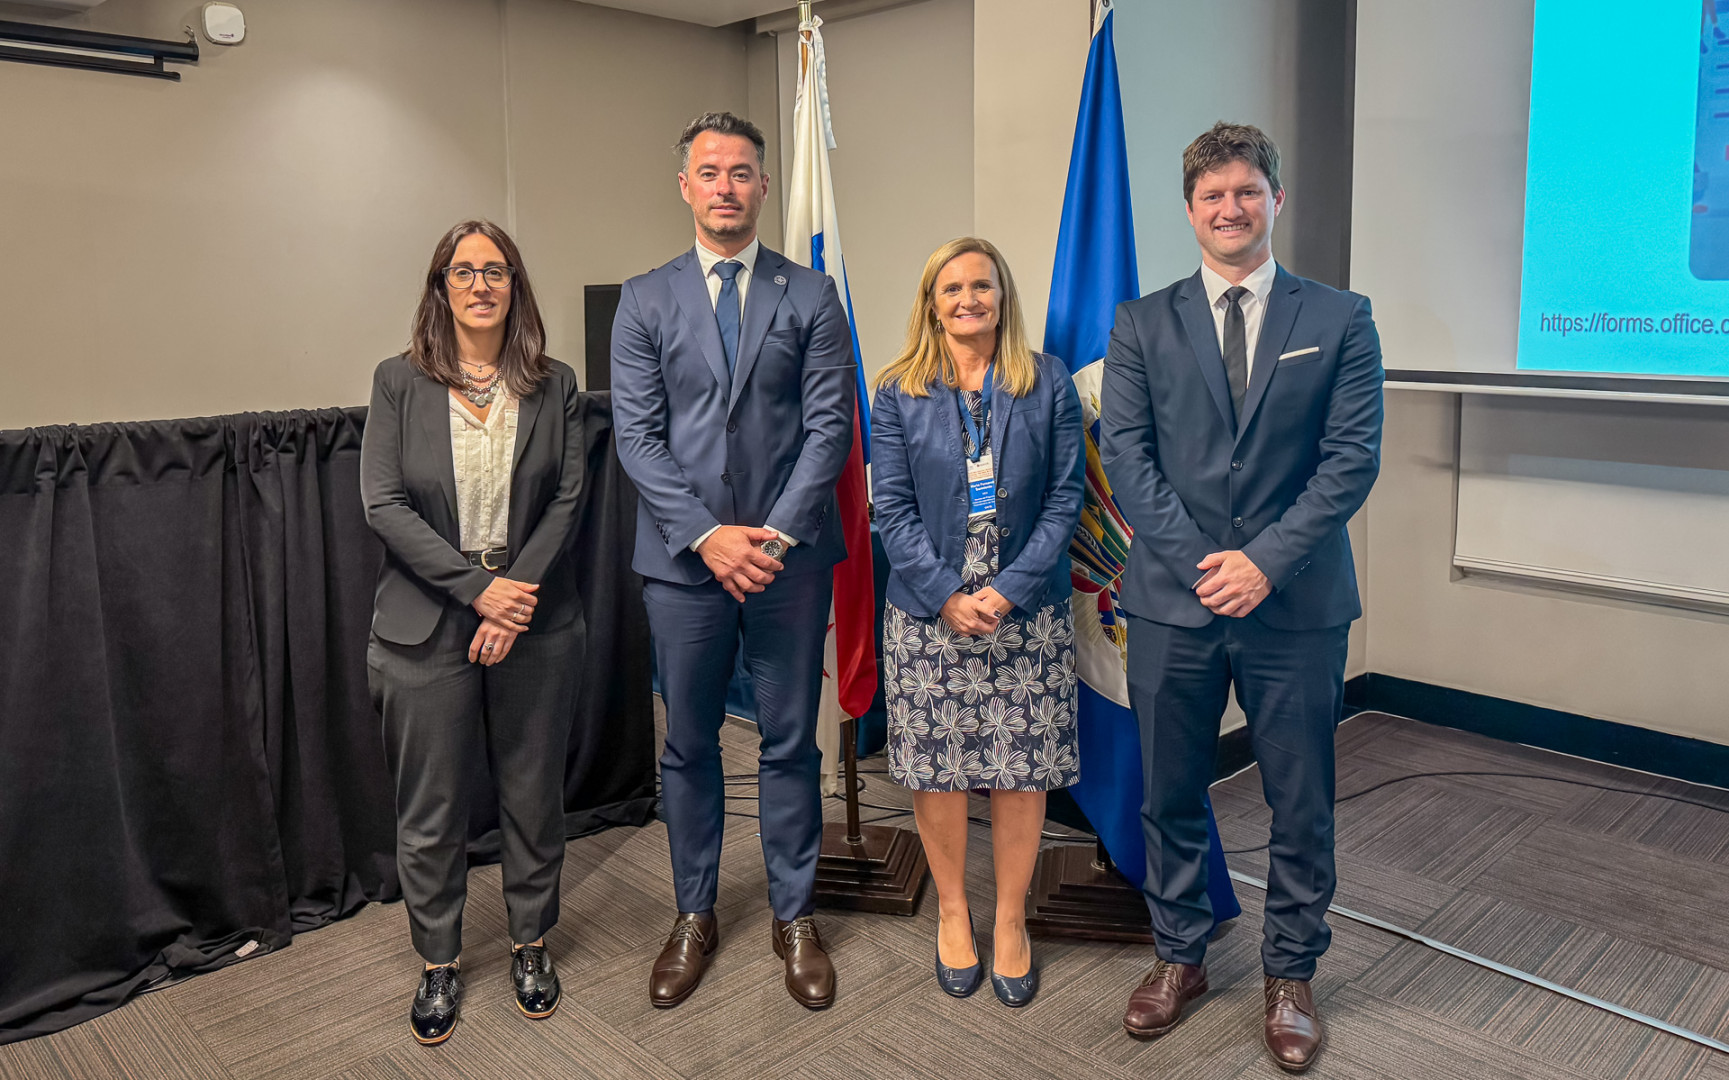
x=491, y=643
x=970, y=615
x=997, y=602
x=507, y=603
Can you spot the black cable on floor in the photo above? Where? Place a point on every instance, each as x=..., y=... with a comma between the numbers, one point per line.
x=895, y=812
x=1507, y=775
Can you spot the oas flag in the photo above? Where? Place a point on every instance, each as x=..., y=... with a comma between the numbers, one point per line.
x=1095, y=271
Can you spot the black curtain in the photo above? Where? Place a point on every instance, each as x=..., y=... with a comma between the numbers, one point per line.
x=190, y=766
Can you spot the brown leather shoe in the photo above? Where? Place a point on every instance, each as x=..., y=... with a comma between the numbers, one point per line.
x=809, y=971
x=680, y=965
x=1156, y=1006
x=1294, y=1032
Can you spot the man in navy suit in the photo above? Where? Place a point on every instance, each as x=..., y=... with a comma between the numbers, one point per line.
x=1241, y=429
x=733, y=390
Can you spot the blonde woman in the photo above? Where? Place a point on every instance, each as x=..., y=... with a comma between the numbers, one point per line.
x=977, y=478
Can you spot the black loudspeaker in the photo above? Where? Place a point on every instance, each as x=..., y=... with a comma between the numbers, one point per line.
x=599, y=305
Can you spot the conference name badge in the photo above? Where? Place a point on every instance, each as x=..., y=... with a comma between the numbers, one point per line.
x=982, y=486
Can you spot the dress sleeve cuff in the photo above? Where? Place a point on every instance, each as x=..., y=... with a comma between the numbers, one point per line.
x=697, y=543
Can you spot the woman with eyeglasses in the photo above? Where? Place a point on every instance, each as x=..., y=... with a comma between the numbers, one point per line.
x=471, y=466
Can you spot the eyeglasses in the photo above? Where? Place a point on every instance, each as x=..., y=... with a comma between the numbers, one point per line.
x=462, y=277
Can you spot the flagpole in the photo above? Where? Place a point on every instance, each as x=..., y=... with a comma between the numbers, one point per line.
x=848, y=725
x=1080, y=890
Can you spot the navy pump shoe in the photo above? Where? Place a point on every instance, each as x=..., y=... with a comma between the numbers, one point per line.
x=1020, y=990
x=961, y=982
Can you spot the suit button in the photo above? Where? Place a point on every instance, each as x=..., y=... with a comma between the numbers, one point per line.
x=1236, y=523
x=1236, y=465
x=726, y=478
x=1002, y=493
x=732, y=425
x=1005, y=530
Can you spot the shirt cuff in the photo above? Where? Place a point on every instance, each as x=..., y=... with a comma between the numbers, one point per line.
x=697, y=543
x=791, y=541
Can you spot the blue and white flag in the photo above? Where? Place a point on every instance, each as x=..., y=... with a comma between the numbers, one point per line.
x=1095, y=271
x=813, y=237
x=812, y=226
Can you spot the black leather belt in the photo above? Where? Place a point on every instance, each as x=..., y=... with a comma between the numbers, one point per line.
x=492, y=559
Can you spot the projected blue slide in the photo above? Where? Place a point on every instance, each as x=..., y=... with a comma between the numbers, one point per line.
x=1626, y=257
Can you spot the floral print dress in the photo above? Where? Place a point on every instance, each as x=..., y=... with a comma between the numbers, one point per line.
x=990, y=711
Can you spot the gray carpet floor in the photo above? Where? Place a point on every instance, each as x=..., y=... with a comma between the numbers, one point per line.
x=1617, y=895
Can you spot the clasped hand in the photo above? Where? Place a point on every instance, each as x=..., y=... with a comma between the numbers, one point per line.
x=977, y=613
x=1233, y=584
x=736, y=561
x=505, y=609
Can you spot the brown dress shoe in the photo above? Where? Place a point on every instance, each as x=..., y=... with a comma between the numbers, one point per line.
x=1157, y=1004
x=681, y=962
x=809, y=971
x=1294, y=1032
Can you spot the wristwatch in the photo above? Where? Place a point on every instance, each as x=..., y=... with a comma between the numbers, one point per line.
x=774, y=549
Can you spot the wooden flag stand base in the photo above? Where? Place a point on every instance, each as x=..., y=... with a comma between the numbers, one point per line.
x=868, y=867
x=1077, y=893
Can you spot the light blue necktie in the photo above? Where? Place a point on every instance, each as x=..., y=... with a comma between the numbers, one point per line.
x=726, y=309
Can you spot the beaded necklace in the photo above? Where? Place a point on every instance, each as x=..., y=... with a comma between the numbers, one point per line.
x=480, y=390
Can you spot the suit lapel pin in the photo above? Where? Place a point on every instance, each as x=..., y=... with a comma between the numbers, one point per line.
x=779, y=279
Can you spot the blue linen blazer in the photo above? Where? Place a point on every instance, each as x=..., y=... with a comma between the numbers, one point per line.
x=763, y=445
x=919, y=489
x=1280, y=485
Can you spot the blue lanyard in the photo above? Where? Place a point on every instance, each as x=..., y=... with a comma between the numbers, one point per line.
x=976, y=430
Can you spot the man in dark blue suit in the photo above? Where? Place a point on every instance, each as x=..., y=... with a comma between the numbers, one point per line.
x=1241, y=417
x=733, y=390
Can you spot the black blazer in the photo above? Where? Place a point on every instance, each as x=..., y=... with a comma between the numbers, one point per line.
x=408, y=482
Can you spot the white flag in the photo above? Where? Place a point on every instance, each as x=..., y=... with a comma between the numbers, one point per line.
x=813, y=238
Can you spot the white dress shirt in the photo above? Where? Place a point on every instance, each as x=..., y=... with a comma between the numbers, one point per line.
x=483, y=453
x=708, y=259
x=1254, y=302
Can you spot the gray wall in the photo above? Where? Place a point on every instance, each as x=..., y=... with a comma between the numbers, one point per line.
x=1291, y=75
x=1636, y=663
x=253, y=237
x=596, y=99
x=250, y=237
x=900, y=87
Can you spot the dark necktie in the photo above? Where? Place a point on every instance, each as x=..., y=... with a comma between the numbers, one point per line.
x=726, y=309
x=1236, y=348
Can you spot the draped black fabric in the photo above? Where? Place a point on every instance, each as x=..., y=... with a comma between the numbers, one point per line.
x=190, y=765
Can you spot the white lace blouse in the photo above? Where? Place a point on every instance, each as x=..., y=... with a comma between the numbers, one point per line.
x=483, y=454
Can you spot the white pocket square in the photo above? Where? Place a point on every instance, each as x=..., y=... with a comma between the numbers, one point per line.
x=1300, y=352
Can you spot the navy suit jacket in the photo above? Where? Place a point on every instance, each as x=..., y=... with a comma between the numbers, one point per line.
x=408, y=482
x=919, y=488
x=1280, y=485
x=764, y=446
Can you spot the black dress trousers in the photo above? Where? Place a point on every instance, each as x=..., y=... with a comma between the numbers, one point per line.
x=438, y=707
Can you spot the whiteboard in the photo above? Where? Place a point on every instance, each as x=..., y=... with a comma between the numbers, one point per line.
x=1628, y=498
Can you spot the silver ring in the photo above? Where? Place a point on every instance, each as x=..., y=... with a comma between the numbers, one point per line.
x=487, y=647
x=522, y=610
